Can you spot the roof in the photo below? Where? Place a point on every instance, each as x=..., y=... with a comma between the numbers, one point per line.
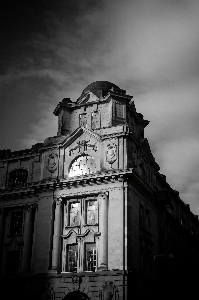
x=98, y=88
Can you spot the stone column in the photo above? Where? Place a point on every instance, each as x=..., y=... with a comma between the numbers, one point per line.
x=56, y=236
x=28, y=238
x=103, y=228
x=2, y=232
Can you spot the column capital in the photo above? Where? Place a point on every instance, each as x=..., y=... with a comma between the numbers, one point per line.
x=103, y=195
x=57, y=200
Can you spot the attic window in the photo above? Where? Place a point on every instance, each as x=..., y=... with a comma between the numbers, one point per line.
x=82, y=165
x=18, y=178
x=83, y=120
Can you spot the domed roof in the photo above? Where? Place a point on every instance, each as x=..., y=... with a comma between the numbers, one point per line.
x=97, y=87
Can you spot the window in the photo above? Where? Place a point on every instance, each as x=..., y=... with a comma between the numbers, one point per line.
x=83, y=120
x=18, y=178
x=95, y=120
x=74, y=213
x=80, y=234
x=16, y=223
x=119, y=113
x=91, y=257
x=91, y=212
x=12, y=262
x=82, y=165
x=72, y=258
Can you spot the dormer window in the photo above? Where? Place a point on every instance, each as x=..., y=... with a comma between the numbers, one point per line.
x=82, y=165
x=119, y=113
x=83, y=120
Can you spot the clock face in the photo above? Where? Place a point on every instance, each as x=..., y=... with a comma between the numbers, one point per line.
x=83, y=165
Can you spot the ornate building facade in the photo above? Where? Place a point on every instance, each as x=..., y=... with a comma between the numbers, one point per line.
x=88, y=215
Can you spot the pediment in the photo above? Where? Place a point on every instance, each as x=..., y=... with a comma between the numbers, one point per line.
x=88, y=98
x=82, y=139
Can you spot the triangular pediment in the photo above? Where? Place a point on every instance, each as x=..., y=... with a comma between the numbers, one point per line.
x=87, y=136
x=88, y=98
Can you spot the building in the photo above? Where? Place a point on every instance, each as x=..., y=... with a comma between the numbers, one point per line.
x=87, y=215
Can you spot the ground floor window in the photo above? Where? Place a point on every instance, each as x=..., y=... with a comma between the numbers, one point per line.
x=72, y=258
x=79, y=258
x=91, y=257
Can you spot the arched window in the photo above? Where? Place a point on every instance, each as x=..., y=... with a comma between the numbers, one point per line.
x=18, y=178
x=82, y=165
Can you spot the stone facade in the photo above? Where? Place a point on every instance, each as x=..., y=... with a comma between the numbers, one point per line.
x=87, y=215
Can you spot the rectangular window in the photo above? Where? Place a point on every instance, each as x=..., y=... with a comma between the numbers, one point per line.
x=12, y=262
x=72, y=258
x=74, y=214
x=91, y=261
x=91, y=212
x=16, y=222
x=79, y=252
x=95, y=120
x=83, y=120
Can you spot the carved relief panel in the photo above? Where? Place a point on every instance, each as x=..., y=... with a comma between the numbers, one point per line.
x=50, y=164
x=111, y=153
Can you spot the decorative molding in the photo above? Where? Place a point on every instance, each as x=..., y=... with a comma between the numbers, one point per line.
x=14, y=239
x=83, y=146
x=76, y=281
x=111, y=153
x=52, y=162
x=109, y=292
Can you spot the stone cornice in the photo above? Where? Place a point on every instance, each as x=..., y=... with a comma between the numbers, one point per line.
x=104, y=177
x=19, y=193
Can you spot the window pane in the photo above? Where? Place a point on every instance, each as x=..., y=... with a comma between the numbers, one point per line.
x=74, y=214
x=16, y=222
x=91, y=212
x=72, y=258
x=18, y=178
x=91, y=257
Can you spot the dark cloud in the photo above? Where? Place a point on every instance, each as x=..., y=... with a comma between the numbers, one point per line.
x=53, y=49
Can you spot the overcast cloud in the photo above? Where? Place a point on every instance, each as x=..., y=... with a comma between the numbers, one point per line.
x=54, y=49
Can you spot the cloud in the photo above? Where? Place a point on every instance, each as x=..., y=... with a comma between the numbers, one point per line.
x=149, y=48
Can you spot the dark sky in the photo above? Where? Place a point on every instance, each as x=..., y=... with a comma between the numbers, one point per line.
x=54, y=49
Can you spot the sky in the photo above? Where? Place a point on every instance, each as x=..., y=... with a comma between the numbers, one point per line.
x=53, y=49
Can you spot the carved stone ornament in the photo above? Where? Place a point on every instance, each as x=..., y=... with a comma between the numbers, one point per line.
x=111, y=153
x=109, y=292
x=82, y=146
x=52, y=162
x=76, y=281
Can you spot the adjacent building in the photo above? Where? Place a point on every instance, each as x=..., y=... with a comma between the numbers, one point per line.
x=88, y=215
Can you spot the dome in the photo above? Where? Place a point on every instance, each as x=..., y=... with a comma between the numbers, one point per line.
x=97, y=87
